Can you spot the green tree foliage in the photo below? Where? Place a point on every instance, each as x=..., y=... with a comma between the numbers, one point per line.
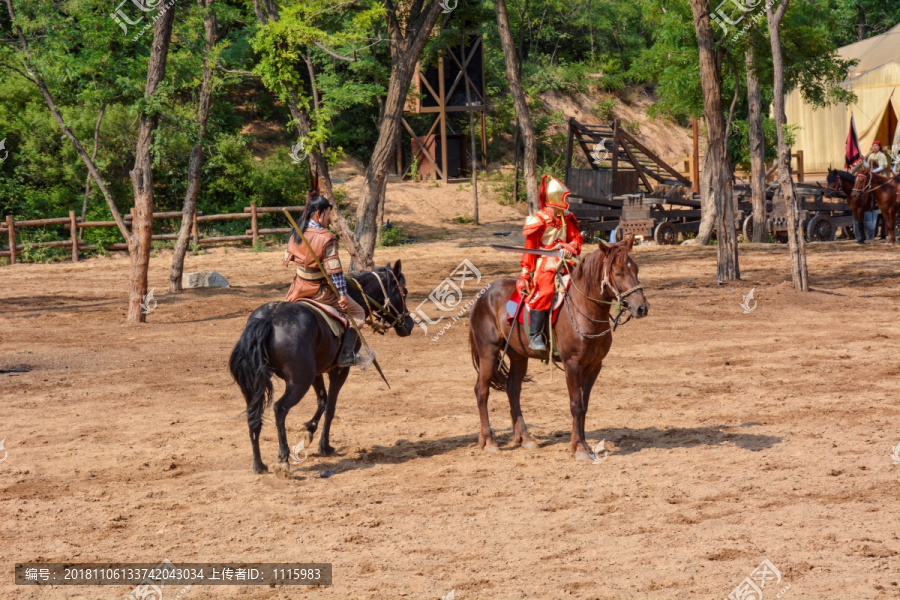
x=596, y=47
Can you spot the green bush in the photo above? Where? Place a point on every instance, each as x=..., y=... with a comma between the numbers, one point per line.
x=604, y=109
x=393, y=236
x=40, y=254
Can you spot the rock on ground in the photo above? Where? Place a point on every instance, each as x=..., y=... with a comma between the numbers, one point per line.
x=203, y=279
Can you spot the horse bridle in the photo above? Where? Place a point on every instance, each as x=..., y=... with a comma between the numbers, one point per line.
x=606, y=282
x=388, y=310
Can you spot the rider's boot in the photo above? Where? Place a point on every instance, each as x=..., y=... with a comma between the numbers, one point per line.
x=538, y=326
x=347, y=357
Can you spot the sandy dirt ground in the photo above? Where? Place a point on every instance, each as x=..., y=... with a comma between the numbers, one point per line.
x=732, y=438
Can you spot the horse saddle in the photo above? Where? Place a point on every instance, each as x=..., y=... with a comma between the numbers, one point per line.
x=562, y=284
x=337, y=322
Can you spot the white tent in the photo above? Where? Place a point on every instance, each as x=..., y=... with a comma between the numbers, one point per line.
x=876, y=83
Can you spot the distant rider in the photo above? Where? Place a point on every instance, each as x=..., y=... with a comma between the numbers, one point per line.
x=552, y=227
x=876, y=162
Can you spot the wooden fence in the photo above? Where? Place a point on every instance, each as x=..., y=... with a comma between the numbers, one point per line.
x=10, y=227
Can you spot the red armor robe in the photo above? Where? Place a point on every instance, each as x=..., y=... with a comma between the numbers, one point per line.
x=545, y=231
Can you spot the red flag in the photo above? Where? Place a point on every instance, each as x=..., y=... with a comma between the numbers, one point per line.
x=852, y=155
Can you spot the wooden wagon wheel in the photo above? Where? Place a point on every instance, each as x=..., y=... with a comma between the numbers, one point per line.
x=747, y=229
x=666, y=234
x=587, y=232
x=820, y=229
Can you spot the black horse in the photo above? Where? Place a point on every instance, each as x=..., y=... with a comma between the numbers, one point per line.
x=293, y=341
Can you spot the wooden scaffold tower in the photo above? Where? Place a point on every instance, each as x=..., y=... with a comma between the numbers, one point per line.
x=455, y=84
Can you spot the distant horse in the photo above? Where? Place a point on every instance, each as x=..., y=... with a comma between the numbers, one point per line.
x=885, y=191
x=584, y=336
x=843, y=181
x=292, y=341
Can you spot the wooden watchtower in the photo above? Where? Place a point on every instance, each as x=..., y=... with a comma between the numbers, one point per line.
x=454, y=85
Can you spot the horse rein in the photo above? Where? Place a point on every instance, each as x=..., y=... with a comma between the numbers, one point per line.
x=386, y=311
x=869, y=189
x=606, y=282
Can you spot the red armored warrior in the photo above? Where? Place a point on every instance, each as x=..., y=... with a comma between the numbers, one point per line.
x=553, y=227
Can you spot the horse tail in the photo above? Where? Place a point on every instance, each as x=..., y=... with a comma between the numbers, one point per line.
x=249, y=365
x=501, y=372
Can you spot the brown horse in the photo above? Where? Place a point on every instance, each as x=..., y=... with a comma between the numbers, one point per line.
x=601, y=279
x=885, y=191
x=843, y=181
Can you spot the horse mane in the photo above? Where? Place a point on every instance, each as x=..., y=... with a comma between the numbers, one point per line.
x=845, y=175
x=592, y=266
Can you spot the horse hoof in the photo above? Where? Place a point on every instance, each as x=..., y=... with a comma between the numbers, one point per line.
x=584, y=455
x=283, y=469
x=307, y=438
x=529, y=444
x=327, y=451
x=491, y=447
x=260, y=469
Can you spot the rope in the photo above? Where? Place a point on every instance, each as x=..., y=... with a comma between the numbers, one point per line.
x=377, y=325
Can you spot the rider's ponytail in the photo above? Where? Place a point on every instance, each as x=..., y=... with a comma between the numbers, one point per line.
x=314, y=204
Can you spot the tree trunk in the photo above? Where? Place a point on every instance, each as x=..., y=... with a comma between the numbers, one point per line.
x=87, y=180
x=142, y=174
x=796, y=240
x=861, y=25
x=521, y=104
x=717, y=178
x=405, y=51
x=469, y=85
x=708, y=208
x=757, y=149
x=211, y=34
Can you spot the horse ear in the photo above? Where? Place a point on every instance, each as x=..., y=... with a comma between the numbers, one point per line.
x=629, y=240
x=397, y=267
x=602, y=245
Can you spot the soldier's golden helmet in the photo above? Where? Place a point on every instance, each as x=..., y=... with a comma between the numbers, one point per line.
x=554, y=193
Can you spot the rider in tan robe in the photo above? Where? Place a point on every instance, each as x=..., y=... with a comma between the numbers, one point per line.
x=310, y=282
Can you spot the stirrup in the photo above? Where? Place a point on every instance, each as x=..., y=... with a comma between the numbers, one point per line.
x=347, y=360
x=538, y=344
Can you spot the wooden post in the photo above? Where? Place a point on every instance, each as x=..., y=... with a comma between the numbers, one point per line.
x=253, y=223
x=695, y=158
x=483, y=139
x=11, y=232
x=799, y=154
x=442, y=102
x=73, y=223
x=615, y=156
x=195, y=231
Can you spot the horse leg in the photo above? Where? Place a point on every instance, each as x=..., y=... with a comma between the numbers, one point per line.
x=258, y=465
x=517, y=368
x=586, y=387
x=322, y=396
x=336, y=381
x=578, y=406
x=859, y=227
x=293, y=393
x=486, y=364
